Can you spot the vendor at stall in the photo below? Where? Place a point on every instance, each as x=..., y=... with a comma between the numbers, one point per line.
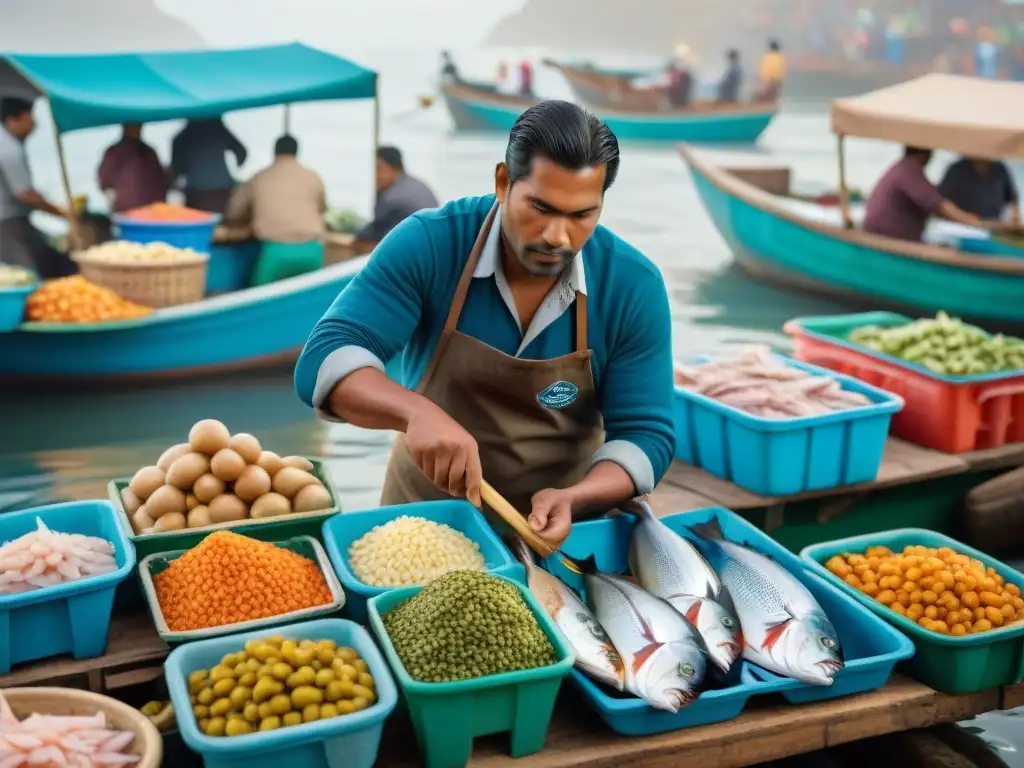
x=904, y=199
x=284, y=205
x=537, y=344
x=131, y=174
x=984, y=188
x=199, y=161
x=21, y=244
x=398, y=195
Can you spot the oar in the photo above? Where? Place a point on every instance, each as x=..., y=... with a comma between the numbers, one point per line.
x=519, y=524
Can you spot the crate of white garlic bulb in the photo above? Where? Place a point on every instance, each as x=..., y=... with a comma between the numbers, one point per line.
x=151, y=274
x=377, y=550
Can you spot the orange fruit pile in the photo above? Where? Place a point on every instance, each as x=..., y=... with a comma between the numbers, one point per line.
x=167, y=212
x=228, y=578
x=76, y=300
x=942, y=590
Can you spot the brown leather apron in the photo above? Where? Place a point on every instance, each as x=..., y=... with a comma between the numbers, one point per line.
x=537, y=422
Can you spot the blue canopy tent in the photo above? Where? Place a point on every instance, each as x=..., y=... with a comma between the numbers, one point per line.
x=92, y=90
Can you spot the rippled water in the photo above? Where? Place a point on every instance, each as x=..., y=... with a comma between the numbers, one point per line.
x=68, y=445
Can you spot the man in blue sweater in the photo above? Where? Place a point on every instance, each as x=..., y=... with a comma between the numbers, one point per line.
x=537, y=344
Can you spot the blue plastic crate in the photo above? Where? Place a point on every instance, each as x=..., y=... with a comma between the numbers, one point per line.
x=12, y=305
x=197, y=235
x=341, y=531
x=68, y=618
x=230, y=266
x=778, y=457
x=349, y=741
x=871, y=647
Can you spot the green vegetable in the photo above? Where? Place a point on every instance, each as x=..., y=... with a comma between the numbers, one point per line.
x=14, y=277
x=465, y=625
x=346, y=221
x=945, y=345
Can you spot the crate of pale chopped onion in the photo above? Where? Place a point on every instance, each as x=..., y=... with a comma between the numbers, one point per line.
x=411, y=544
x=776, y=426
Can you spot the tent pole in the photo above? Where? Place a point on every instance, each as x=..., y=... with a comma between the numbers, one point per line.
x=76, y=233
x=287, y=120
x=376, y=131
x=844, y=193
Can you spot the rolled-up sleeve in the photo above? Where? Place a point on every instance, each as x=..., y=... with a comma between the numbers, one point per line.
x=636, y=389
x=372, y=319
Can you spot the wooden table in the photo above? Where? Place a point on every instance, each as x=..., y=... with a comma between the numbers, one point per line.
x=769, y=729
x=686, y=487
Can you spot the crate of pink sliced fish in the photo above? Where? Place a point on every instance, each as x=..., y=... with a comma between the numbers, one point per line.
x=59, y=568
x=680, y=621
x=777, y=426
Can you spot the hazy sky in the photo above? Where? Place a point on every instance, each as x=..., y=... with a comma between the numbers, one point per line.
x=428, y=24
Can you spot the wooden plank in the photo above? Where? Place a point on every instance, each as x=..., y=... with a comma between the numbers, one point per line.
x=1003, y=457
x=1013, y=696
x=756, y=736
x=902, y=463
x=133, y=642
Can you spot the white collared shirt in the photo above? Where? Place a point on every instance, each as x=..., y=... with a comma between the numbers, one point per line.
x=559, y=298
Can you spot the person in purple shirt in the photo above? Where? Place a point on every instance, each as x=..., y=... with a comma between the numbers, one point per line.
x=131, y=174
x=904, y=199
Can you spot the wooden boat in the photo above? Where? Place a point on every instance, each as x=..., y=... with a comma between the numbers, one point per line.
x=247, y=329
x=475, y=108
x=771, y=241
x=240, y=330
x=608, y=89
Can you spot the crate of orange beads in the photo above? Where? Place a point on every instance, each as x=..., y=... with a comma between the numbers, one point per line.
x=230, y=583
x=75, y=300
x=963, y=609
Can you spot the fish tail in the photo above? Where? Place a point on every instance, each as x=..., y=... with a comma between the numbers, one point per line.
x=639, y=508
x=522, y=551
x=709, y=531
x=588, y=564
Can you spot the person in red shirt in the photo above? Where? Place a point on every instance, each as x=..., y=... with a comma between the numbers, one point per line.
x=131, y=174
x=904, y=199
x=525, y=79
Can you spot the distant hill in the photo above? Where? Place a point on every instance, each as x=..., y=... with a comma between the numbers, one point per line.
x=651, y=26
x=80, y=26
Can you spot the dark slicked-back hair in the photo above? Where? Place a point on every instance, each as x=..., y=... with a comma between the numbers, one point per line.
x=564, y=133
x=13, y=108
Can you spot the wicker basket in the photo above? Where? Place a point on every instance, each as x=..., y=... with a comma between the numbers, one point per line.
x=338, y=248
x=68, y=701
x=150, y=283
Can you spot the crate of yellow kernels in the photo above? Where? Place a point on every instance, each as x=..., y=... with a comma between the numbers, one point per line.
x=963, y=609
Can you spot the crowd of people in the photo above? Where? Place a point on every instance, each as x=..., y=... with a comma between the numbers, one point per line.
x=283, y=204
x=983, y=38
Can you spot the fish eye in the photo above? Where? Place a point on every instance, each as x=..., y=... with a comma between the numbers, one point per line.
x=727, y=622
x=829, y=643
x=596, y=631
x=582, y=617
x=686, y=670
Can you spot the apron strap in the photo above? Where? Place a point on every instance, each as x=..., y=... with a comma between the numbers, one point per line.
x=581, y=320
x=459, y=299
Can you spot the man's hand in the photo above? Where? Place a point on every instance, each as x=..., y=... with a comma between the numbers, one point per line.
x=551, y=516
x=445, y=452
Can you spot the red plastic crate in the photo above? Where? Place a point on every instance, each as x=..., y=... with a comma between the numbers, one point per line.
x=949, y=414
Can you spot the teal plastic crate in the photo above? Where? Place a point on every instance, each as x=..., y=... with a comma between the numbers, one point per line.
x=448, y=716
x=341, y=531
x=306, y=546
x=350, y=741
x=66, y=618
x=946, y=663
x=12, y=305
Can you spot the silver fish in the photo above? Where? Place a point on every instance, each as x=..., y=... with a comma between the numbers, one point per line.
x=784, y=629
x=664, y=656
x=670, y=567
x=595, y=654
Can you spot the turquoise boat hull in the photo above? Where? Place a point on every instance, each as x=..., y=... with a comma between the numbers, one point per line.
x=474, y=110
x=774, y=244
x=253, y=328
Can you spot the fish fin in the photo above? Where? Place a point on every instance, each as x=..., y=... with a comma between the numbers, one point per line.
x=771, y=637
x=644, y=654
x=709, y=531
x=639, y=508
x=588, y=564
x=693, y=612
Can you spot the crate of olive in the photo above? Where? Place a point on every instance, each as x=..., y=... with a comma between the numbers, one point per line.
x=474, y=654
x=302, y=698
x=218, y=480
x=961, y=386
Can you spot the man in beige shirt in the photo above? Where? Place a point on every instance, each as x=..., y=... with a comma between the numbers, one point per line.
x=284, y=204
